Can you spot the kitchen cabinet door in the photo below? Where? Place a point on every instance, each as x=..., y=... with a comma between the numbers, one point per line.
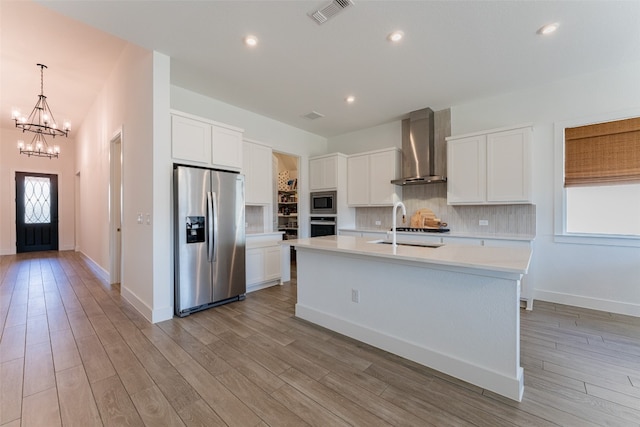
x=256, y=160
x=466, y=169
x=358, y=180
x=255, y=265
x=492, y=167
x=369, y=178
x=190, y=140
x=508, y=166
x=226, y=148
x=272, y=263
x=383, y=168
x=323, y=173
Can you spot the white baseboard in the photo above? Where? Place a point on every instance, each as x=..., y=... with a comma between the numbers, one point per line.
x=512, y=388
x=263, y=285
x=609, y=306
x=136, y=302
x=102, y=271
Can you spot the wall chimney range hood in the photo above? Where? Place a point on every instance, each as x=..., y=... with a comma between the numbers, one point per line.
x=419, y=151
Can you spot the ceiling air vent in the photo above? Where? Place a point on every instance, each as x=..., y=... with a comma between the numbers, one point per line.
x=322, y=15
x=313, y=115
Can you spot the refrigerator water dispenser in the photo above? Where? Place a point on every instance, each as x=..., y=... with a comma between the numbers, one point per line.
x=195, y=229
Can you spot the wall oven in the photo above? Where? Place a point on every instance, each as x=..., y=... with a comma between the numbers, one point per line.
x=323, y=203
x=323, y=226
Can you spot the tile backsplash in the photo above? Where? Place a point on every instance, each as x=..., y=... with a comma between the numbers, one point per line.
x=503, y=219
x=254, y=217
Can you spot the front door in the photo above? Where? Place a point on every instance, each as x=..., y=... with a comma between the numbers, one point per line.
x=36, y=212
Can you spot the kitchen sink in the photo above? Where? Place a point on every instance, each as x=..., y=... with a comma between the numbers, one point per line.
x=418, y=244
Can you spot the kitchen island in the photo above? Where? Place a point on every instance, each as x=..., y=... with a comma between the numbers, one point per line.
x=452, y=308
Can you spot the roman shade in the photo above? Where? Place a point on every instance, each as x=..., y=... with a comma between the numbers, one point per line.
x=603, y=153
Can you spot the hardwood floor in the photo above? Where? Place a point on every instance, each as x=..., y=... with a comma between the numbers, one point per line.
x=73, y=352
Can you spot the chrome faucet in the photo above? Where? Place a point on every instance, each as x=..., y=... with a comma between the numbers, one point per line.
x=394, y=219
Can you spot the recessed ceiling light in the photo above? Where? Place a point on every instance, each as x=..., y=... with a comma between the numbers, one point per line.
x=396, y=36
x=251, y=41
x=548, y=29
x=350, y=99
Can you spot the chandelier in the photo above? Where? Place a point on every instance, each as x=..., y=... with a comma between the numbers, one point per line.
x=41, y=122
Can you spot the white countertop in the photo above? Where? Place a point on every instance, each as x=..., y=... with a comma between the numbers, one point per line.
x=270, y=233
x=523, y=237
x=507, y=260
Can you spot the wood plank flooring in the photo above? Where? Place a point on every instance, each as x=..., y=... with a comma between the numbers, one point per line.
x=73, y=352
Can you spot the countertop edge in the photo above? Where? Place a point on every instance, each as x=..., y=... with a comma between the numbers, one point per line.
x=358, y=246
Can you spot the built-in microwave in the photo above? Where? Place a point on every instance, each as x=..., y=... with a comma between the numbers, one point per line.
x=323, y=203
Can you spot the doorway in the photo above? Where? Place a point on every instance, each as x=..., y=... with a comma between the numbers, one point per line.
x=115, y=209
x=36, y=212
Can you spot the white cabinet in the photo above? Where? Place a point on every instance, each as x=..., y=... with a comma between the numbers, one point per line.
x=467, y=170
x=202, y=142
x=226, y=147
x=323, y=173
x=492, y=167
x=263, y=259
x=256, y=166
x=190, y=140
x=358, y=180
x=369, y=177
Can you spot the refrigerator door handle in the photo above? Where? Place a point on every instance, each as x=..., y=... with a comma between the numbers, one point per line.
x=210, y=227
x=214, y=246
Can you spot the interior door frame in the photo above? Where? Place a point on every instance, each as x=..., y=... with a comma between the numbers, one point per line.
x=116, y=190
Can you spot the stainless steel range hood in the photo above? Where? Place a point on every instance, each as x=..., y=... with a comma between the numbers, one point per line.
x=419, y=150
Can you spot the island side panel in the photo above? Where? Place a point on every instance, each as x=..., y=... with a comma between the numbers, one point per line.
x=466, y=325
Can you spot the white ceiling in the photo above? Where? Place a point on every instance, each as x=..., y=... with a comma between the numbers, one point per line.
x=453, y=52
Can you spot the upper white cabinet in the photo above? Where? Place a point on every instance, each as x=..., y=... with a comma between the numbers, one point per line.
x=202, y=142
x=492, y=167
x=369, y=178
x=323, y=173
x=226, y=147
x=258, y=184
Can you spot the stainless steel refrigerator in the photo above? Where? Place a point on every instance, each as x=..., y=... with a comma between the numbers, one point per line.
x=209, y=238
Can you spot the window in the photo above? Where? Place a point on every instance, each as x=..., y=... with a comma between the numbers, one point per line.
x=37, y=202
x=598, y=163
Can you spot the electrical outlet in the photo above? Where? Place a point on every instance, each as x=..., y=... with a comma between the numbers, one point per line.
x=378, y=222
x=355, y=295
x=483, y=222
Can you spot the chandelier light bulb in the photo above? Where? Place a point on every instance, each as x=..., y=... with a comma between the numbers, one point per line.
x=38, y=146
x=29, y=147
x=67, y=126
x=15, y=113
x=20, y=144
x=56, y=149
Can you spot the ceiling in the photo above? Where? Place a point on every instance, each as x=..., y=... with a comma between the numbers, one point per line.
x=452, y=52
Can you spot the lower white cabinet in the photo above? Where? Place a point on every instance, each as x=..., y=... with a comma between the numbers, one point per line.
x=263, y=260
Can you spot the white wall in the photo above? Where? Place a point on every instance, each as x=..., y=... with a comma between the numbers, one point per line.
x=127, y=104
x=11, y=161
x=374, y=138
x=279, y=136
